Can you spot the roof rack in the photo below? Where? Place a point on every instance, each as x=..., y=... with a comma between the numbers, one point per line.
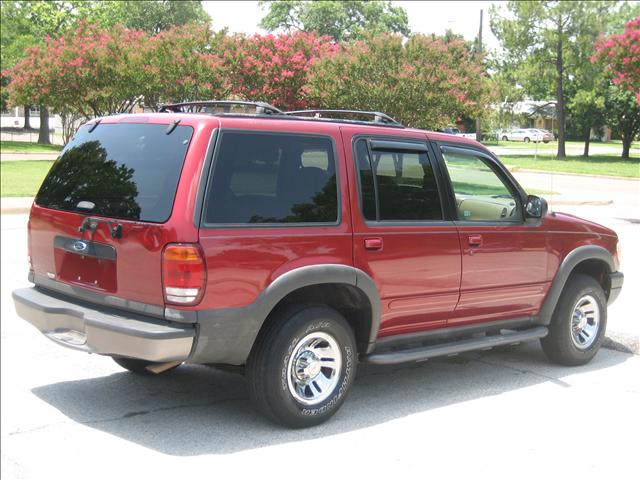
x=378, y=117
x=261, y=108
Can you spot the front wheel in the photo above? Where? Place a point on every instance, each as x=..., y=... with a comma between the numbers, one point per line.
x=505, y=139
x=302, y=366
x=578, y=324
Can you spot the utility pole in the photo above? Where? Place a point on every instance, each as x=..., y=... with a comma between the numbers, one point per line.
x=479, y=54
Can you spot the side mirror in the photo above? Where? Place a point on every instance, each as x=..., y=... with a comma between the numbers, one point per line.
x=536, y=207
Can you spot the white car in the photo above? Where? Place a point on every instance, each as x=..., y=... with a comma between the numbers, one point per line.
x=458, y=133
x=525, y=135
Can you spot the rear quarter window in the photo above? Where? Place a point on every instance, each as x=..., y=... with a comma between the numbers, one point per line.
x=261, y=178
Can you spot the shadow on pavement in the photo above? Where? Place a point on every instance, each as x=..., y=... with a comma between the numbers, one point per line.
x=197, y=410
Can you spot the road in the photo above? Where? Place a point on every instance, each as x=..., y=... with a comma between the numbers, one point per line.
x=494, y=414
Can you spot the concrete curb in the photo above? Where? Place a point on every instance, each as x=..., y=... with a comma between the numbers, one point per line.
x=589, y=175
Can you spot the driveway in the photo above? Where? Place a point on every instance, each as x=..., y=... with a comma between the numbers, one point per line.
x=70, y=415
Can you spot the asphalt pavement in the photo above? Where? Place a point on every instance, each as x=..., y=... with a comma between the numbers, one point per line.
x=498, y=414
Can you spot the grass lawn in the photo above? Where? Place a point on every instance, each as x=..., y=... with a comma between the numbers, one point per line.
x=611, y=165
x=22, y=178
x=7, y=146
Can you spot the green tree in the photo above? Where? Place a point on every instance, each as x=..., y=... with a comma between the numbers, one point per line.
x=547, y=43
x=586, y=111
x=623, y=115
x=341, y=20
x=424, y=82
x=152, y=16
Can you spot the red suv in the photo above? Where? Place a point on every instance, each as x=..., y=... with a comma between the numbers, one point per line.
x=298, y=244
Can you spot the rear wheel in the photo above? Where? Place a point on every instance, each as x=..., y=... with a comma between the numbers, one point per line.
x=504, y=138
x=302, y=366
x=140, y=367
x=579, y=322
x=527, y=139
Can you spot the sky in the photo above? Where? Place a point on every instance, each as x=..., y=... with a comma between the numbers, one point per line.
x=462, y=17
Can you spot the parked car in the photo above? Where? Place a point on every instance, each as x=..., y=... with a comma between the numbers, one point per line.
x=458, y=133
x=297, y=245
x=548, y=135
x=526, y=135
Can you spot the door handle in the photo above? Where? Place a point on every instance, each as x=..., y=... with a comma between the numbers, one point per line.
x=373, y=243
x=475, y=240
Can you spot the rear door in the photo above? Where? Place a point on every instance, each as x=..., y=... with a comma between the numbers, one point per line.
x=504, y=258
x=401, y=237
x=106, y=210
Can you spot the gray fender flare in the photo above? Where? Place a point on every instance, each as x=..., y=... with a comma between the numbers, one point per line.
x=575, y=257
x=319, y=274
x=227, y=335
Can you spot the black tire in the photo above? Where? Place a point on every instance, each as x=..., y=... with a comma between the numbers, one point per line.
x=559, y=345
x=545, y=141
x=138, y=366
x=505, y=138
x=268, y=366
x=527, y=139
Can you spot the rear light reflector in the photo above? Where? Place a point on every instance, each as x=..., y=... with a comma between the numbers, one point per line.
x=184, y=275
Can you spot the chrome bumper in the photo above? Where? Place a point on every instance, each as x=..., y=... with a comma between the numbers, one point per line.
x=106, y=332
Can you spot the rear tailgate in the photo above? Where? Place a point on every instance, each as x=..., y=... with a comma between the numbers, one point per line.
x=110, y=204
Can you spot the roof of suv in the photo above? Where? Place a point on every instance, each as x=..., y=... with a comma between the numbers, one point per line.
x=280, y=122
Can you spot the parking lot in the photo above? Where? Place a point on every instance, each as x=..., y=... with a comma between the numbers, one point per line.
x=501, y=413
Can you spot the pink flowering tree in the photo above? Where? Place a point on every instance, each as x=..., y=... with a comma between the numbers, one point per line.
x=425, y=82
x=620, y=57
x=274, y=68
x=182, y=64
x=88, y=70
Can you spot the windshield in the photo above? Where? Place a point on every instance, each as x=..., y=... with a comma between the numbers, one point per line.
x=125, y=170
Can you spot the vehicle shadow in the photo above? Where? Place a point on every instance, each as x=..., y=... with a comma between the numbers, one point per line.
x=197, y=410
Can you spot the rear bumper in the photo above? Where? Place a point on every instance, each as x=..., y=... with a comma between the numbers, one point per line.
x=103, y=331
x=616, y=280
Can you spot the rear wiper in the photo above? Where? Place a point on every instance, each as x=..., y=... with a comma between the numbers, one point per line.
x=172, y=127
x=95, y=124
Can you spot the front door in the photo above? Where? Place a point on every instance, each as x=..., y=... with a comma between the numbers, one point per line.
x=401, y=237
x=504, y=258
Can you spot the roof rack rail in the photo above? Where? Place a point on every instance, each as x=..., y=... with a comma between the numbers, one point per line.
x=378, y=117
x=199, y=106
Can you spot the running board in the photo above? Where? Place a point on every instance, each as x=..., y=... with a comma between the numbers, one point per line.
x=452, y=348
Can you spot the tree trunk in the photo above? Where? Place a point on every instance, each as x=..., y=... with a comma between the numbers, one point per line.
x=27, y=118
x=43, y=136
x=560, y=95
x=587, y=140
x=626, y=145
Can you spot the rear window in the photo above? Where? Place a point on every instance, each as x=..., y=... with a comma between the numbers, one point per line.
x=273, y=178
x=126, y=170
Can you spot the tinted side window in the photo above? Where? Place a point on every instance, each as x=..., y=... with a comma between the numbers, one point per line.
x=273, y=178
x=404, y=184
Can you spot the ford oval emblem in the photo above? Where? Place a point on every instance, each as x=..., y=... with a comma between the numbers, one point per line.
x=80, y=246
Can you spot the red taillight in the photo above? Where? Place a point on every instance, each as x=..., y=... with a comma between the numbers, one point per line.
x=184, y=274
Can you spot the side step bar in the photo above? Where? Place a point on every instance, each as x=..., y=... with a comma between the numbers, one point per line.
x=466, y=345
